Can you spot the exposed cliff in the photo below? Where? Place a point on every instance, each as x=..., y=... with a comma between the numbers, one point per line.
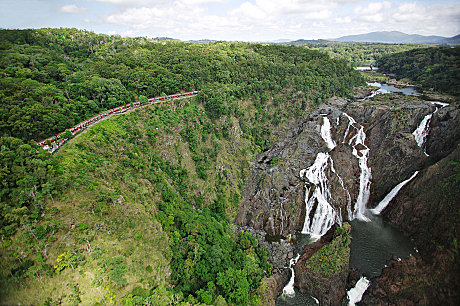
x=279, y=189
x=275, y=191
x=427, y=210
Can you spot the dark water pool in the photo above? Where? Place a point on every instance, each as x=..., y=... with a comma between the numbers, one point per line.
x=298, y=299
x=372, y=245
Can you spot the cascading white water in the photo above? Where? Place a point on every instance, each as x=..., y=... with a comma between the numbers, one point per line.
x=318, y=193
x=355, y=294
x=384, y=203
x=351, y=123
x=442, y=104
x=326, y=134
x=289, y=288
x=421, y=132
x=325, y=215
x=361, y=151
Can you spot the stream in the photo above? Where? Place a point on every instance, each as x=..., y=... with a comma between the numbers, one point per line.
x=373, y=240
x=385, y=88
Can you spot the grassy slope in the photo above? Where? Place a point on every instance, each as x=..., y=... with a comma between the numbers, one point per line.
x=102, y=222
x=108, y=208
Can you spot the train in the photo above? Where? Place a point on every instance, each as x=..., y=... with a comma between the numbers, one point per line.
x=121, y=109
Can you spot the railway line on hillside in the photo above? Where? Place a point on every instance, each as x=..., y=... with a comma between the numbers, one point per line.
x=51, y=144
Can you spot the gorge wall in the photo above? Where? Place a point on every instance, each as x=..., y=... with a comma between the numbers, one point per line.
x=318, y=172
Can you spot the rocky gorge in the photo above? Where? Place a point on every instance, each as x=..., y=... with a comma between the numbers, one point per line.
x=339, y=162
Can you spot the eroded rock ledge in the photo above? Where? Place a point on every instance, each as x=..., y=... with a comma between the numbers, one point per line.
x=322, y=270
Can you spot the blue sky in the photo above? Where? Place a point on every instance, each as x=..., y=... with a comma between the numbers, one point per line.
x=249, y=20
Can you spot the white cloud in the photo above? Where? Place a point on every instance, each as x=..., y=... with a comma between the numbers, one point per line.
x=372, y=8
x=410, y=12
x=72, y=9
x=250, y=10
x=323, y=14
x=272, y=19
x=127, y=3
x=346, y=19
x=196, y=2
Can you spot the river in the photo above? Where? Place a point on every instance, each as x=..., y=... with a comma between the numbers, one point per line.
x=372, y=243
x=385, y=88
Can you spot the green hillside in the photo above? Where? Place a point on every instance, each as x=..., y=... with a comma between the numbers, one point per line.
x=356, y=53
x=138, y=208
x=53, y=79
x=435, y=68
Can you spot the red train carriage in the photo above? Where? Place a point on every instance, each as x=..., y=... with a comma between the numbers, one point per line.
x=97, y=117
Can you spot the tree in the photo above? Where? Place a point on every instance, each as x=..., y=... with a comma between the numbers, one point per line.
x=66, y=135
x=235, y=285
x=143, y=99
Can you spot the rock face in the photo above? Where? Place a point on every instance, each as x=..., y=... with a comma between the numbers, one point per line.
x=322, y=270
x=444, y=132
x=274, y=190
x=272, y=287
x=274, y=201
x=428, y=210
x=274, y=198
x=414, y=281
x=394, y=154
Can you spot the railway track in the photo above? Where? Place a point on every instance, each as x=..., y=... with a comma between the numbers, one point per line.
x=51, y=144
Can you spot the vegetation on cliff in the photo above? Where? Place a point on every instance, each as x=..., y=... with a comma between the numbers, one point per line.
x=323, y=272
x=436, y=68
x=355, y=53
x=333, y=257
x=137, y=209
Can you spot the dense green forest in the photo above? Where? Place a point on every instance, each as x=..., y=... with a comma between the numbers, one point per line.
x=137, y=209
x=357, y=54
x=431, y=68
x=52, y=79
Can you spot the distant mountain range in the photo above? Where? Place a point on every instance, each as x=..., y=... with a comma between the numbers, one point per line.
x=389, y=37
x=396, y=37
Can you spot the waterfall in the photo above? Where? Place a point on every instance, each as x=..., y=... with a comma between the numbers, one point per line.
x=317, y=194
x=289, y=288
x=326, y=134
x=325, y=215
x=356, y=293
x=421, y=132
x=361, y=151
x=435, y=103
x=351, y=121
x=383, y=204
